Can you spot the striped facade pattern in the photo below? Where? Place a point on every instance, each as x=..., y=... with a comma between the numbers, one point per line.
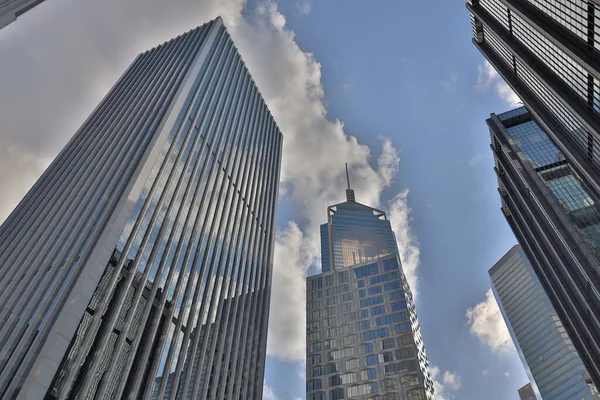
x=139, y=265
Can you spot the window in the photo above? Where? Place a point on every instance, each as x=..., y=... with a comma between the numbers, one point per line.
x=346, y=296
x=360, y=284
x=391, y=286
x=314, y=359
x=349, y=378
x=388, y=356
x=366, y=270
x=405, y=340
x=365, y=348
x=343, y=276
x=344, y=307
x=348, y=340
x=353, y=363
x=377, y=333
x=377, y=310
x=331, y=300
x=374, y=290
x=362, y=293
x=383, y=278
x=313, y=385
x=372, y=360
x=316, y=396
x=313, y=336
x=416, y=394
x=390, y=319
x=405, y=327
x=336, y=394
x=405, y=353
x=362, y=325
x=313, y=305
x=337, y=354
x=328, y=322
x=399, y=295
x=360, y=390
x=316, y=284
x=329, y=280
x=335, y=380
x=370, y=373
x=314, y=325
x=329, y=368
x=364, y=313
x=314, y=347
x=371, y=301
x=409, y=380
x=387, y=344
x=389, y=384
x=390, y=264
x=328, y=344
x=400, y=305
x=316, y=371
x=315, y=295
x=406, y=366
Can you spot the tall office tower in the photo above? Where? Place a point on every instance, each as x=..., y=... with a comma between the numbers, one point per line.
x=139, y=265
x=556, y=218
x=10, y=10
x=526, y=393
x=363, y=336
x=547, y=353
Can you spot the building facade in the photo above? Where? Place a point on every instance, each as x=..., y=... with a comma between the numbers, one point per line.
x=10, y=10
x=555, y=216
x=547, y=353
x=139, y=265
x=526, y=393
x=363, y=335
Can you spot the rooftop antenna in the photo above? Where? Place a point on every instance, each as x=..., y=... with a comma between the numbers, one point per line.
x=349, y=192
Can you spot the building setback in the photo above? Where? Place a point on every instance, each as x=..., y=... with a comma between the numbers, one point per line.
x=547, y=353
x=556, y=218
x=10, y=10
x=139, y=265
x=363, y=335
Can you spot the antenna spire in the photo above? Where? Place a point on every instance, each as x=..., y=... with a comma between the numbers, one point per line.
x=349, y=192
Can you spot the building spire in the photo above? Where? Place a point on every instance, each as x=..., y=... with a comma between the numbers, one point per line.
x=349, y=192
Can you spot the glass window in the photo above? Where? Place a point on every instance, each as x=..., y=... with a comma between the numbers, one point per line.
x=388, y=356
x=335, y=380
x=369, y=373
x=360, y=284
x=343, y=276
x=336, y=394
x=390, y=264
x=362, y=293
x=409, y=380
x=371, y=301
x=314, y=384
x=405, y=353
x=399, y=305
x=378, y=310
x=391, y=286
x=405, y=327
x=316, y=396
x=399, y=295
x=389, y=384
x=374, y=290
x=352, y=363
x=366, y=270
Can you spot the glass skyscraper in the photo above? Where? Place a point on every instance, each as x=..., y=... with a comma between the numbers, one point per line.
x=363, y=335
x=555, y=216
x=10, y=10
x=548, y=355
x=139, y=265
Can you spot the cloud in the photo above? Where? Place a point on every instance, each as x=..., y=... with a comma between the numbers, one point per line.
x=506, y=374
x=269, y=393
x=486, y=322
x=408, y=244
x=485, y=372
x=488, y=77
x=303, y=8
x=449, y=381
x=450, y=82
x=477, y=160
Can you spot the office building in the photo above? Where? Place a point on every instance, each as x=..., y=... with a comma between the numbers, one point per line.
x=526, y=393
x=140, y=262
x=553, y=365
x=363, y=335
x=10, y=10
x=555, y=217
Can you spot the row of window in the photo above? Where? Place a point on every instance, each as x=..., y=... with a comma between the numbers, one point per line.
x=367, y=374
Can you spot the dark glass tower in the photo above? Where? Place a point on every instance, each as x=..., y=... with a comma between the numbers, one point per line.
x=139, y=265
x=363, y=335
x=555, y=216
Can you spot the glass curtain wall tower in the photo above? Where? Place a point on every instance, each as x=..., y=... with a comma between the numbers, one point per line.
x=139, y=265
x=363, y=335
x=10, y=10
x=555, y=216
x=547, y=353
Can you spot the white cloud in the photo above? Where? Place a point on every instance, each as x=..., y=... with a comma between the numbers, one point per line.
x=485, y=372
x=477, y=159
x=303, y=7
x=408, y=244
x=269, y=393
x=449, y=381
x=450, y=82
x=506, y=374
x=487, y=323
x=488, y=77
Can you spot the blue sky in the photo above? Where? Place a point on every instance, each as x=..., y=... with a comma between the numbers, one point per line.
x=395, y=88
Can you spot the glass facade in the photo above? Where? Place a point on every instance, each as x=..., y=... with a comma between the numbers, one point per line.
x=552, y=363
x=10, y=10
x=157, y=282
x=554, y=213
x=363, y=336
x=543, y=48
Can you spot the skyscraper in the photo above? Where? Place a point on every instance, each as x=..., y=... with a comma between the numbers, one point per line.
x=556, y=218
x=363, y=335
x=547, y=353
x=139, y=265
x=526, y=393
x=10, y=10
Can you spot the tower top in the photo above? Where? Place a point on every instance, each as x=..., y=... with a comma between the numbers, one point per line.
x=349, y=191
